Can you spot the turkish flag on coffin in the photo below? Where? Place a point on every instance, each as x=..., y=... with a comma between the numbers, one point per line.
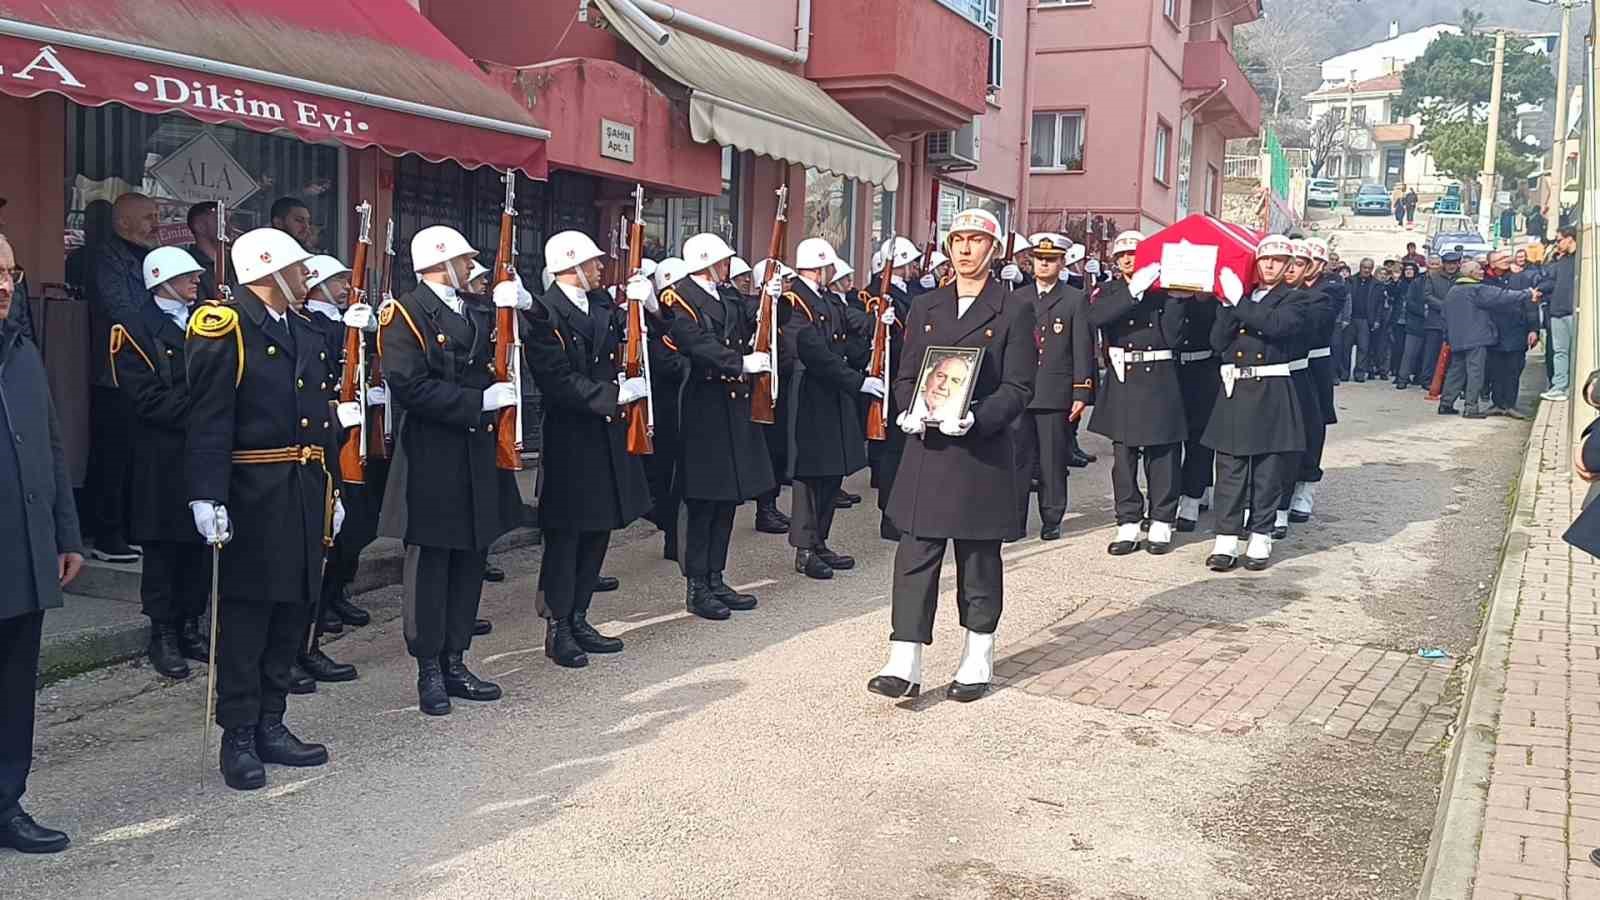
x=1236, y=247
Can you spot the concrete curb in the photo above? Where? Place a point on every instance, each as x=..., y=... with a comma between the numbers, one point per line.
x=1463, y=795
x=67, y=653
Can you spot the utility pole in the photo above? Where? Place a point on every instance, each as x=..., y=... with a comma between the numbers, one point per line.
x=1558, y=146
x=1349, y=122
x=1492, y=140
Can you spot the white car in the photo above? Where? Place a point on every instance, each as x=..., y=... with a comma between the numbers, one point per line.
x=1322, y=192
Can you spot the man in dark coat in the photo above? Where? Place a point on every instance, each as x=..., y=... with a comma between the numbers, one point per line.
x=742, y=289
x=1063, y=385
x=593, y=486
x=1140, y=405
x=1331, y=297
x=1366, y=318
x=1258, y=425
x=1200, y=379
x=1516, y=332
x=955, y=469
x=827, y=445
x=902, y=258
x=724, y=458
x=1409, y=315
x=148, y=365
x=259, y=444
x=668, y=371
x=1435, y=288
x=40, y=552
x=1469, y=320
x=446, y=497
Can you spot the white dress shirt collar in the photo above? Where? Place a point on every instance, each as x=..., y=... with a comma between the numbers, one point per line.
x=326, y=308
x=176, y=310
x=448, y=294
x=577, y=295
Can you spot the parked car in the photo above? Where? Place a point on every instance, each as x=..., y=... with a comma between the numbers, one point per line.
x=1450, y=203
x=1453, y=231
x=1373, y=199
x=1322, y=192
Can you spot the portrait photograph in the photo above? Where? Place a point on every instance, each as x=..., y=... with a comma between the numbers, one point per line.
x=946, y=381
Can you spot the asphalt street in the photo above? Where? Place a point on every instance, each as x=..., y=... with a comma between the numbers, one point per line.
x=746, y=758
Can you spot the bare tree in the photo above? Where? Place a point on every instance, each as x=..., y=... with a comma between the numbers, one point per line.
x=1325, y=136
x=1282, y=51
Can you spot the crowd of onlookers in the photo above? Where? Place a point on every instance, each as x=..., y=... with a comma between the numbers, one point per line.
x=1489, y=311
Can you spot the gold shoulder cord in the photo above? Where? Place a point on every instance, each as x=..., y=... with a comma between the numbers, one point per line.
x=215, y=322
x=121, y=338
x=386, y=315
x=670, y=297
x=796, y=300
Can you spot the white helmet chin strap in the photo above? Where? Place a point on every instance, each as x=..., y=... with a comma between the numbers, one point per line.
x=583, y=280
x=450, y=270
x=288, y=295
x=326, y=295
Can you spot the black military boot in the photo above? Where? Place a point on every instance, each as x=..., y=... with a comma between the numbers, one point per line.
x=328, y=621
x=458, y=682
x=809, y=564
x=349, y=612
x=322, y=667
x=836, y=561
x=192, y=643
x=561, y=647
x=241, y=767
x=481, y=627
x=768, y=519
x=591, y=640
x=165, y=656
x=700, y=601
x=888, y=530
x=301, y=682
x=275, y=743
x=727, y=596
x=431, y=696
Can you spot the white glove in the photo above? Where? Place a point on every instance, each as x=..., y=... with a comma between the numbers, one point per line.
x=338, y=515
x=1232, y=287
x=377, y=396
x=957, y=429
x=1092, y=267
x=500, y=395
x=774, y=287
x=888, y=317
x=349, y=414
x=631, y=389
x=211, y=520
x=874, y=387
x=641, y=291
x=359, y=316
x=757, y=362
x=909, y=423
x=1143, y=279
x=929, y=282
x=512, y=295
x=1011, y=273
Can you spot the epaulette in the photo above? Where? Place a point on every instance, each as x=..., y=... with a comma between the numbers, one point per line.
x=669, y=343
x=214, y=322
x=386, y=315
x=798, y=302
x=670, y=297
x=121, y=338
x=866, y=298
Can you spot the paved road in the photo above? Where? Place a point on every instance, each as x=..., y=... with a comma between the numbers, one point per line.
x=1163, y=733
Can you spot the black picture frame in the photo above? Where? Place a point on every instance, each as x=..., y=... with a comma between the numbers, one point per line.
x=951, y=398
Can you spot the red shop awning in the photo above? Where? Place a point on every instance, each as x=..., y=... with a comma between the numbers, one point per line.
x=361, y=72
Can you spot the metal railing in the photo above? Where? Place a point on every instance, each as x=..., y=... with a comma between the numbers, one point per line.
x=1242, y=167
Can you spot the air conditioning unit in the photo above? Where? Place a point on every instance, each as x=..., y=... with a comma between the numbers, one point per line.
x=956, y=151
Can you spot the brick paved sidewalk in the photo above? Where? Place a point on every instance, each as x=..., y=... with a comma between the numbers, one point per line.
x=1526, y=780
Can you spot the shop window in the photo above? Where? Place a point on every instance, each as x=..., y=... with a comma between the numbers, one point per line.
x=428, y=193
x=830, y=209
x=954, y=198
x=883, y=217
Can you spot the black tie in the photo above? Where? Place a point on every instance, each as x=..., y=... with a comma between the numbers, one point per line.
x=278, y=328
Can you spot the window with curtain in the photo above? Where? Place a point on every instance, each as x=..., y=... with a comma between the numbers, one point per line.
x=1163, y=152
x=883, y=216
x=1057, y=141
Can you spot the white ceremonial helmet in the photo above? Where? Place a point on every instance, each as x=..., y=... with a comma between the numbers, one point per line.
x=1299, y=249
x=322, y=267
x=814, y=253
x=567, y=250
x=703, y=251
x=1318, y=248
x=877, y=261
x=937, y=259
x=1274, y=245
x=841, y=269
x=904, y=253
x=738, y=267
x=1019, y=244
x=163, y=264
x=759, y=273
x=1126, y=242
x=262, y=252
x=477, y=271
x=647, y=267
x=974, y=221
x=1046, y=244
x=1075, y=254
x=670, y=271
x=436, y=244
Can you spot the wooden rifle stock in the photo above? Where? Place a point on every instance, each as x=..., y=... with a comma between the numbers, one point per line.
x=220, y=264
x=763, y=385
x=508, y=340
x=635, y=357
x=380, y=434
x=878, y=366
x=352, y=383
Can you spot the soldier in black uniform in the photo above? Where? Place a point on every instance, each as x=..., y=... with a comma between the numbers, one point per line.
x=953, y=471
x=260, y=440
x=446, y=498
x=147, y=362
x=724, y=459
x=1140, y=405
x=902, y=256
x=1300, y=374
x=769, y=518
x=1331, y=295
x=828, y=445
x=1257, y=427
x=1200, y=381
x=593, y=486
x=668, y=370
x=1063, y=386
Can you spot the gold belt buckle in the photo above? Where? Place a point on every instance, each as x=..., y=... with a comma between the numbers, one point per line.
x=307, y=454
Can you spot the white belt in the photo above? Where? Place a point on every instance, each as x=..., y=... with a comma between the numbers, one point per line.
x=1320, y=353
x=1232, y=373
x=1196, y=356
x=1121, y=358
x=1296, y=365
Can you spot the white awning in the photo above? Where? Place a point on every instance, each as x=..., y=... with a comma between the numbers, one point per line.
x=748, y=104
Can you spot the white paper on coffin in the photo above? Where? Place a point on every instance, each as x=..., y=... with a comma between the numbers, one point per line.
x=1189, y=267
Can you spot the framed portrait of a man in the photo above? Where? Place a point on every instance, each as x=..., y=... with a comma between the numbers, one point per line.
x=944, y=386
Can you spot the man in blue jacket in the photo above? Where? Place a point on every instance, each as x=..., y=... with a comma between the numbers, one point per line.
x=1470, y=329
x=1564, y=270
